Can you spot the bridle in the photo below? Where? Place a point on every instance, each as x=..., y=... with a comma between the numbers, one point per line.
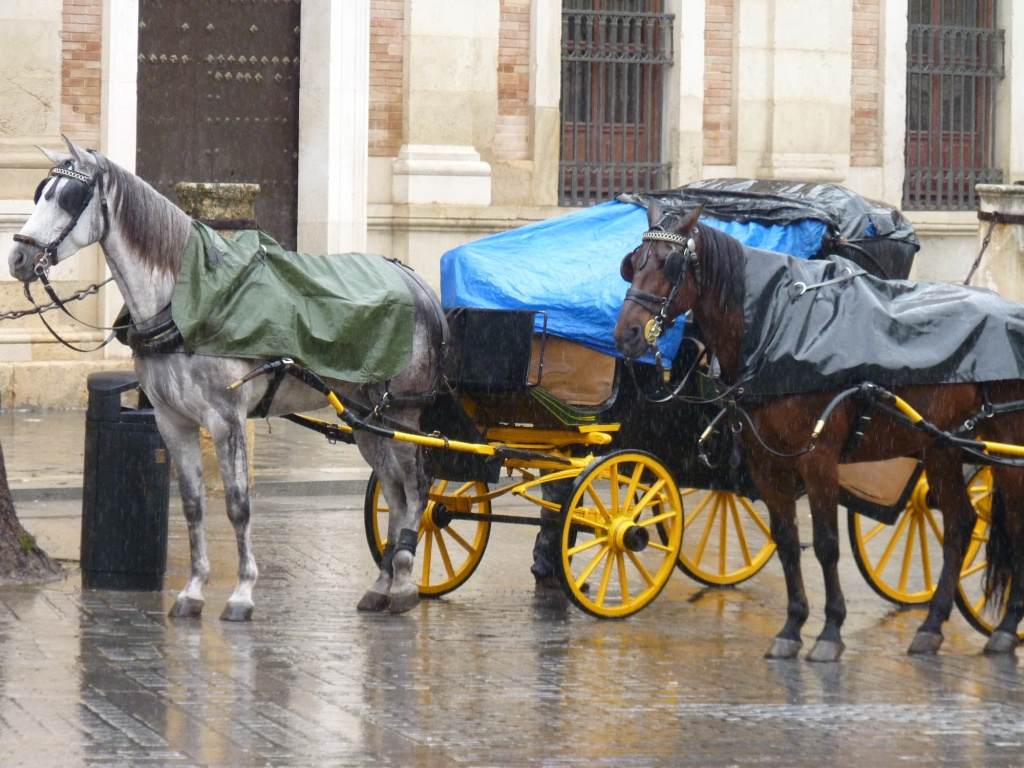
x=74, y=199
x=674, y=268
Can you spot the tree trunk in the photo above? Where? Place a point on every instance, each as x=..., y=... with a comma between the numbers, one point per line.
x=21, y=559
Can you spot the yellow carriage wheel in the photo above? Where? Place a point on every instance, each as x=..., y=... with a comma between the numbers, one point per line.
x=970, y=594
x=448, y=550
x=902, y=561
x=728, y=537
x=620, y=534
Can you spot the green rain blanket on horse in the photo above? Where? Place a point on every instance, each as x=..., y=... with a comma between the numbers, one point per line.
x=345, y=316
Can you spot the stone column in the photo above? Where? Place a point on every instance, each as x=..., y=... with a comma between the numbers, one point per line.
x=451, y=63
x=1002, y=266
x=226, y=208
x=334, y=103
x=794, y=89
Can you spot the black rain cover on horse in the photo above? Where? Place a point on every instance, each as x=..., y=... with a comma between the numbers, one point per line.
x=890, y=332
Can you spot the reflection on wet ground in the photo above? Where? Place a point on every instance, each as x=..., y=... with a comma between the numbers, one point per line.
x=490, y=675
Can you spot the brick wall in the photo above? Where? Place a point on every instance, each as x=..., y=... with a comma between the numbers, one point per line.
x=512, y=129
x=387, y=19
x=719, y=139
x=865, y=113
x=80, y=71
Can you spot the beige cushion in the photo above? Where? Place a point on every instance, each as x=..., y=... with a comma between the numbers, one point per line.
x=573, y=373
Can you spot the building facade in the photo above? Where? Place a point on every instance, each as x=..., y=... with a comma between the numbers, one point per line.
x=413, y=126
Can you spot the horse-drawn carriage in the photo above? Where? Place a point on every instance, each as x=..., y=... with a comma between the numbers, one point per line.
x=532, y=390
x=566, y=265
x=495, y=289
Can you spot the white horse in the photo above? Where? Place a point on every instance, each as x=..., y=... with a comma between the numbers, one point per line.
x=87, y=199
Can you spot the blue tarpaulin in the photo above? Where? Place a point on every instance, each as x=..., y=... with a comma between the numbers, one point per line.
x=568, y=267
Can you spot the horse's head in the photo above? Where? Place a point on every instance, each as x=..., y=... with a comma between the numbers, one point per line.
x=664, y=275
x=70, y=213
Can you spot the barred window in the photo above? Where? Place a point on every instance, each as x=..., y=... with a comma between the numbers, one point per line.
x=614, y=54
x=954, y=61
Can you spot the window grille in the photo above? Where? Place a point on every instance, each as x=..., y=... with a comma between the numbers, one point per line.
x=954, y=61
x=614, y=54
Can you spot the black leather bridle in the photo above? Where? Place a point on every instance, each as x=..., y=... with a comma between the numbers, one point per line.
x=674, y=268
x=73, y=199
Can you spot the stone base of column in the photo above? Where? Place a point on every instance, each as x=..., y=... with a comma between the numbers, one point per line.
x=810, y=167
x=445, y=174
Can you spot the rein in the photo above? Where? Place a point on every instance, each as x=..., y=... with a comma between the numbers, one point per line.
x=57, y=302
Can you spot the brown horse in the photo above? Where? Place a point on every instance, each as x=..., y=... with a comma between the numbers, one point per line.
x=682, y=266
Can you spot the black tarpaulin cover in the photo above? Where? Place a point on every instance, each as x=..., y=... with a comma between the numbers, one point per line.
x=873, y=234
x=784, y=202
x=890, y=332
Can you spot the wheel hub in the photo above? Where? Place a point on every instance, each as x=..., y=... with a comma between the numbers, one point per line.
x=627, y=536
x=437, y=516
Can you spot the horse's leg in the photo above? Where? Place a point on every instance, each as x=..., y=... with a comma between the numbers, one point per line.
x=1007, y=523
x=780, y=498
x=404, y=594
x=822, y=480
x=377, y=454
x=401, y=470
x=948, y=490
x=229, y=439
x=182, y=441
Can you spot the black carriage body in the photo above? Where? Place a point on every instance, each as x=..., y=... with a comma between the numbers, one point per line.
x=495, y=367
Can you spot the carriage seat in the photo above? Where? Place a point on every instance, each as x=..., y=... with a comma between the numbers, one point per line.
x=571, y=372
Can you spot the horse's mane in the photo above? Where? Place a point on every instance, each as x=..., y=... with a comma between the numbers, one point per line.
x=152, y=226
x=721, y=264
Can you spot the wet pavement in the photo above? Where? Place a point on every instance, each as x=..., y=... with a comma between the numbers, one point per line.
x=490, y=675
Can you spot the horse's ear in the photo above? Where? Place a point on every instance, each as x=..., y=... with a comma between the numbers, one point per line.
x=653, y=213
x=77, y=152
x=690, y=220
x=57, y=158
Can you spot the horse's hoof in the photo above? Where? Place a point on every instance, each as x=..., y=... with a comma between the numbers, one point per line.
x=187, y=608
x=237, y=612
x=826, y=650
x=374, y=602
x=404, y=600
x=926, y=643
x=1001, y=642
x=784, y=649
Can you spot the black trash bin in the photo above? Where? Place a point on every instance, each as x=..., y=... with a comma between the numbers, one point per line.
x=125, y=490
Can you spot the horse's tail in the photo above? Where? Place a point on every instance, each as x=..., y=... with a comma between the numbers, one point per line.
x=1000, y=553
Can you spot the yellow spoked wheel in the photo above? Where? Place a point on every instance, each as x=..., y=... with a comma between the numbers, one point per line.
x=901, y=562
x=970, y=594
x=448, y=550
x=620, y=534
x=728, y=537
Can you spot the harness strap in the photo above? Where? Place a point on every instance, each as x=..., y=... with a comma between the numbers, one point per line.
x=652, y=302
x=273, y=384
